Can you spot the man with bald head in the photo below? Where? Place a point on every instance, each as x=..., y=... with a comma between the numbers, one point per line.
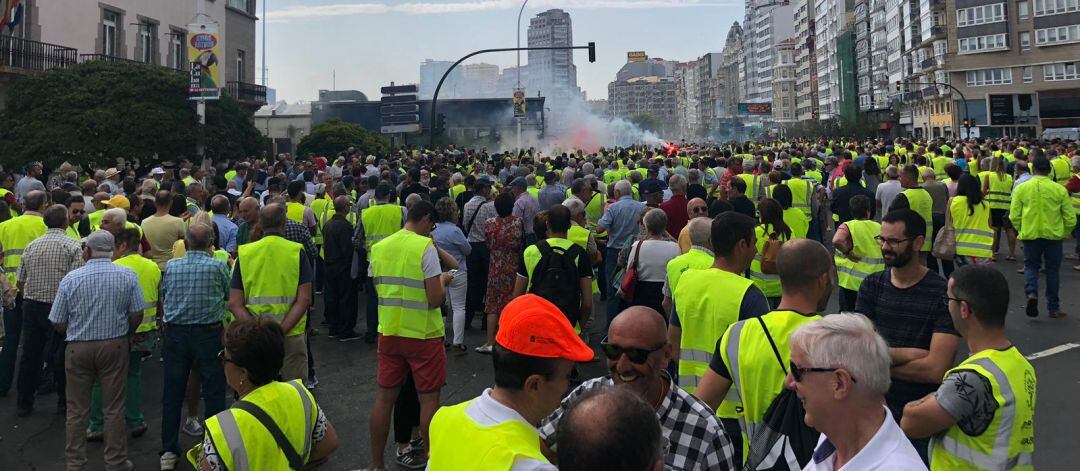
x=611, y=429
x=695, y=208
x=744, y=359
x=340, y=288
x=247, y=213
x=226, y=229
x=637, y=354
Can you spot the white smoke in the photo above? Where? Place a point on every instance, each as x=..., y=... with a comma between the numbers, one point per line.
x=571, y=125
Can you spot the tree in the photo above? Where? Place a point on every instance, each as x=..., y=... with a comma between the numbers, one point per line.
x=646, y=122
x=333, y=136
x=94, y=112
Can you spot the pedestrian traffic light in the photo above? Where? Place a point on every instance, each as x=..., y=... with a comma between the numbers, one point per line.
x=440, y=124
x=592, y=52
x=967, y=123
x=897, y=85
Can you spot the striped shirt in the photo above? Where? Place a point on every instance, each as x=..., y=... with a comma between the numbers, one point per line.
x=88, y=313
x=194, y=289
x=45, y=262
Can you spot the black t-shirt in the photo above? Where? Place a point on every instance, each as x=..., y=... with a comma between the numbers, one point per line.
x=414, y=188
x=743, y=205
x=695, y=190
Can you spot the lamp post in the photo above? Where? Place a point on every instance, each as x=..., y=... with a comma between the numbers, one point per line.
x=522, y=10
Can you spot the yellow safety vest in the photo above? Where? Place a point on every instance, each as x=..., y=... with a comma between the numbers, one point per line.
x=244, y=444
x=319, y=207
x=396, y=265
x=753, y=182
x=939, y=167
x=1061, y=170
x=11, y=209
x=920, y=201
x=814, y=175
x=797, y=221
x=149, y=278
x=697, y=258
x=1009, y=442
x=270, y=268
x=379, y=222
x=1000, y=190
x=15, y=234
x=295, y=211
x=94, y=219
x=850, y=274
x=707, y=302
x=768, y=284
x=580, y=237
x=802, y=193
x=458, y=443
x=1076, y=202
x=974, y=237
x=594, y=208
x=756, y=376
x=73, y=232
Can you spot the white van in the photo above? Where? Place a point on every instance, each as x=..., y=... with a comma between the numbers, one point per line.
x=1061, y=133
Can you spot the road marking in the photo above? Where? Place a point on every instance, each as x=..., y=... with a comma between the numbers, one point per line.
x=1053, y=351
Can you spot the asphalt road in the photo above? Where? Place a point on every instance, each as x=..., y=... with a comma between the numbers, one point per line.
x=347, y=375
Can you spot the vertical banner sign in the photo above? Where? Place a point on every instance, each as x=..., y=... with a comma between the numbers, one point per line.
x=205, y=52
x=519, y=102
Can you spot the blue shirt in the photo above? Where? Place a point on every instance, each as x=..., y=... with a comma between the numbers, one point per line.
x=227, y=230
x=452, y=240
x=194, y=289
x=96, y=301
x=620, y=220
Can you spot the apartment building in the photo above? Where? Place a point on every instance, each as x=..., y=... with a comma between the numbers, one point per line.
x=832, y=19
x=767, y=23
x=732, y=74
x=871, y=55
x=783, y=101
x=806, y=97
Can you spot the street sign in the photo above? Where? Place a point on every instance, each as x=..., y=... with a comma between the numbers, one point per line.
x=400, y=109
x=399, y=89
x=401, y=118
x=755, y=108
x=400, y=128
x=399, y=99
x=519, y=102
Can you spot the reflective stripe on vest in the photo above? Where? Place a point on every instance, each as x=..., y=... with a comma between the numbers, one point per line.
x=999, y=192
x=149, y=276
x=768, y=284
x=849, y=273
x=270, y=268
x=396, y=266
x=15, y=235
x=1076, y=202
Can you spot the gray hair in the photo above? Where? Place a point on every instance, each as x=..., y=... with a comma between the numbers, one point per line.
x=1076, y=161
x=114, y=213
x=700, y=230
x=575, y=206
x=693, y=175
x=892, y=172
x=847, y=341
x=623, y=187
x=677, y=183
x=655, y=222
x=199, y=237
x=412, y=199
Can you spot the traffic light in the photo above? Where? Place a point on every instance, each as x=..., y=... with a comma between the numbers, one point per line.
x=592, y=52
x=440, y=124
x=897, y=85
x=967, y=123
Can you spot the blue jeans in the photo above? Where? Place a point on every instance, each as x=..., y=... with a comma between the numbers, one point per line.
x=13, y=326
x=611, y=259
x=185, y=347
x=1035, y=252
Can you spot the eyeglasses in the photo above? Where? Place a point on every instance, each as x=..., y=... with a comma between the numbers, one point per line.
x=224, y=359
x=893, y=242
x=699, y=210
x=945, y=299
x=797, y=372
x=637, y=356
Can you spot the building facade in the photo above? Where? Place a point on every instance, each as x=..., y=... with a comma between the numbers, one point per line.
x=783, y=102
x=654, y=95
x=732, y=75
x=806, y=97
x=832, y=19
x=767, y=22
x=552, y=73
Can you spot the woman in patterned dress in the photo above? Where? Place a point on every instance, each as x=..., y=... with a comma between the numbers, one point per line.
x=504, y=235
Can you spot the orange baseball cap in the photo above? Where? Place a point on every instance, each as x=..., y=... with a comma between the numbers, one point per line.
x=531, y=325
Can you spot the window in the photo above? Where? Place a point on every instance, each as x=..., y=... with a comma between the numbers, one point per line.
x=176, y=44
x=241, y=5
x=983, y=77
x=109, y=24
x=980, y=15
x=1061, y=71
x=1027, y=74
x=1025, y=40
x=239, y=65
x=1057, y=35
x=1022, y=10
x=993, y=42
x=147, y=34
x=1053, y=7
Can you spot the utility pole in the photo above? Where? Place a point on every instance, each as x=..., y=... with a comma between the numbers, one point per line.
x=519, y=118
x=200, y=105
x=264, y=42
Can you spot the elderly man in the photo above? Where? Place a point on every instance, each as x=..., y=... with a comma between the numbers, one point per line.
x=219, y=204
x=247, y=218
x=44, y=263
x=338, y=249
x=611, y=428
x=620, y=221
x=676, y=208
x=96, y=329
x=525, y=207
x=695, y=208
x=15, y=234
x=839, y=370
x=637, y=353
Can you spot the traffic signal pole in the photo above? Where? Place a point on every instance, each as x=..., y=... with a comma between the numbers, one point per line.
x=967, y=116
x=435, y=98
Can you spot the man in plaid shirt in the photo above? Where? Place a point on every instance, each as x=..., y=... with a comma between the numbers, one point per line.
x=637, y=352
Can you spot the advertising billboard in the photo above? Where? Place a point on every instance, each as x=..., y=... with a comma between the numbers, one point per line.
x=204, y=49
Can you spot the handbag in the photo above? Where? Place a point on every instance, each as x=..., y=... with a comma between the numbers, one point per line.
x=630, y=278
x=945, y=243
x=769, y=253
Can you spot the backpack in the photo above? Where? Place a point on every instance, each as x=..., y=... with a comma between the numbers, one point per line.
x=556, y=278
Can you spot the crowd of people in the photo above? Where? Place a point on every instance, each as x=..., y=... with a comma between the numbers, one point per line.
x=706, y=272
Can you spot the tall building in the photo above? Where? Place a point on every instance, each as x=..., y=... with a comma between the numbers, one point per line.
x=871, y=51
x=699, y=95
x=783, y=102
x=832, y=19
x=806, y=97
x=767, y=23
x=552, y=73
x=655, y=95
x=482, y=81
x=59, y=34
x=431, y=71
x=732, y=75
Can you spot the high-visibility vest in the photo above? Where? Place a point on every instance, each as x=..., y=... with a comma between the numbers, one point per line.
x=797, y=221
x=694, y=259
x=753, y=183
x=187, y=180
x=149, y=278
x=1037, y=210
x=707, y=302
x=379, y=222
x=15, y=234
x=456, y=190
x=243, y=443
x=73, y=232
x=396, y=265
x=1061, y=170
x=11, y=209
x=270, y=268
x=756, y=376
x=580, y=237
x=1009, y=442
x=802, y=194
x=974, y=237
x=319, y=207
x=1000, y=189
x=459, y=443
x=295, y=211
x=95, y=218
x=594, y=208
x=849, y=273
x=1076, y=202
x=229, y=175
x=768, y=284
x=920, y=201
x=813, y=175
x=939, y=166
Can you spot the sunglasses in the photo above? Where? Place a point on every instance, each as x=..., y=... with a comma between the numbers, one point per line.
x=699, y=210
x=637, y=356
x=224, y=359
x=797, y=372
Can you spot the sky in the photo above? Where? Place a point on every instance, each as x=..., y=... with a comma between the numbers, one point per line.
x=369, y=43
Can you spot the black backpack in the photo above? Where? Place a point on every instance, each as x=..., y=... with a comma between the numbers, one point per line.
x=556, y=278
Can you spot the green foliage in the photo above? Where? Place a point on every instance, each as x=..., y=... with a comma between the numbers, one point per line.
x=646, y=122
x=334, y=135
x=96, y=111
x=864, y=126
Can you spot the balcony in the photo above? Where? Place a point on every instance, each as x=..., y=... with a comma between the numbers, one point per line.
x=23, y=56
x=246, y=93
x=932, y=62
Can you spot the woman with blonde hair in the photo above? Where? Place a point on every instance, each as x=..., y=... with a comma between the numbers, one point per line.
x=997, y=186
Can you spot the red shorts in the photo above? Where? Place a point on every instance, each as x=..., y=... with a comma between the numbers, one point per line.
x=426, y=359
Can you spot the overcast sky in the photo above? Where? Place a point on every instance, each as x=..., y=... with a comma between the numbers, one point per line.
x=373, y=42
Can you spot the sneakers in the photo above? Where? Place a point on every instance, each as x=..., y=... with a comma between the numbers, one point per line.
x=192, y=427
x=1057, y=314
x=312, y=382
x=168, y=461
x=349, y=337
x=412, y=457
x=1032, y=309
x=485, y=349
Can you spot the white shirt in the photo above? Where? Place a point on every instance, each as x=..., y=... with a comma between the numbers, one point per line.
x=486, y=411
x=888, y=450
